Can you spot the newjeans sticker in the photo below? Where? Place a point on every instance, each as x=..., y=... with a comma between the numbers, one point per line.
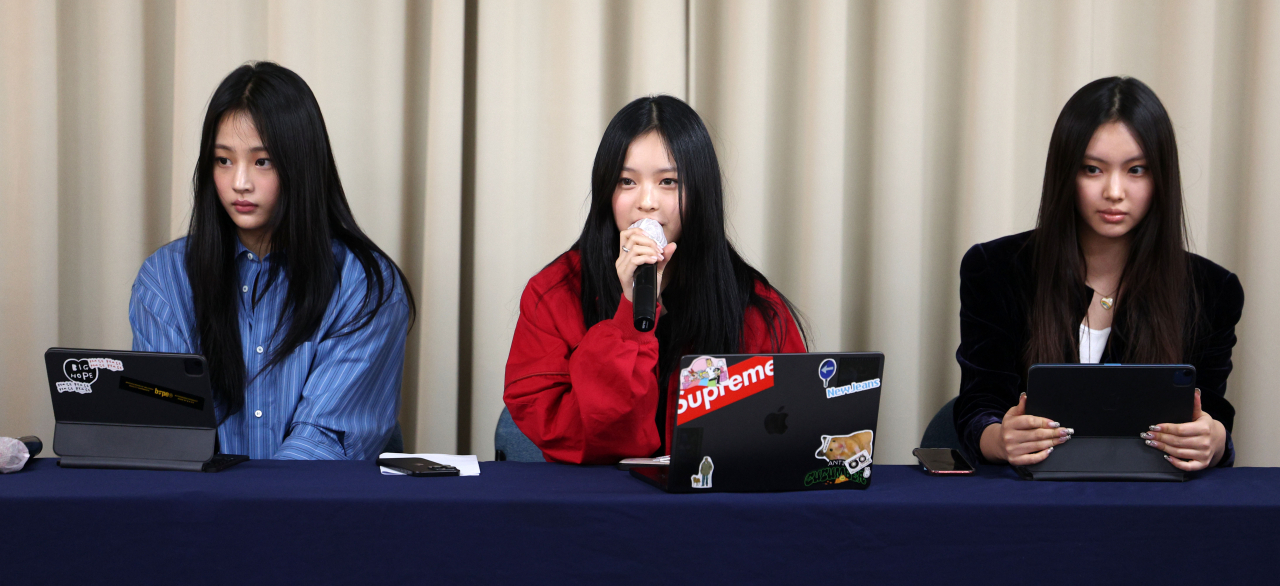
x=833, y=392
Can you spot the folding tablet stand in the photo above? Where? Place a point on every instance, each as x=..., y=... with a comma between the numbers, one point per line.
x=1104, y=458
x=140, y=447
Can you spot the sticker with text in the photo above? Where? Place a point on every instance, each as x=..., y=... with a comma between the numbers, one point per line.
x=82, y=372
x=708, y=384
x=162, y=393
x=836, y=474
x=851, y=388
x=852, y=450
x=703, y=478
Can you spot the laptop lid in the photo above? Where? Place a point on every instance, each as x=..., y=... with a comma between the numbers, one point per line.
x=131, y=405
x=772, y=422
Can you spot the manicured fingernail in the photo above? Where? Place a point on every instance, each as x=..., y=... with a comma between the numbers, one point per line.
x=1071, y=431
x=1146, y=435
x=1064, y=439
x=1154, y=428
x=1166, y=456
x=1049, y=450
x=1151, y=443
x=1023, y=395
x=1054, y=424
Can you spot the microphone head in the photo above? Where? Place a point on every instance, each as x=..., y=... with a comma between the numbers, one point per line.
x=13, y=455
x=653, y=230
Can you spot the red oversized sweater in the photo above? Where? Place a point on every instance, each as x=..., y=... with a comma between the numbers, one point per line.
x=590, y=396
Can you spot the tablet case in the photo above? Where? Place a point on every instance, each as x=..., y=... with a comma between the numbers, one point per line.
x=135, y=410
x=1108, y=405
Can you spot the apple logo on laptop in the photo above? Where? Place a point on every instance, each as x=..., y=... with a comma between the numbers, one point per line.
x=776, y=422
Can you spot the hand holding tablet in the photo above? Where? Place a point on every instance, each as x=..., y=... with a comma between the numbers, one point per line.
x=1191, y=446
x=1022, y=439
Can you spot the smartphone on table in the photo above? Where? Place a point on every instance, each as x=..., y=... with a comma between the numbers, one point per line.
x=943, y=461
x=418, y=467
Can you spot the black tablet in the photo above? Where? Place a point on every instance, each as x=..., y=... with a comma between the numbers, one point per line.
x=1111, y=400
x=1108, y=406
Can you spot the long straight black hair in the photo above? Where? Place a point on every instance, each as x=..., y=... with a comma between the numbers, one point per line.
x=710, y=286
x=311, y=212
x=1155, y=296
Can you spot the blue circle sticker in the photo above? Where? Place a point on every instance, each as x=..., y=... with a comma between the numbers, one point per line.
x=826, y=370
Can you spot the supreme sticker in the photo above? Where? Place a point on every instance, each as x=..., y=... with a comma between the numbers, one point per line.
x=707, y=389
x=159, y=392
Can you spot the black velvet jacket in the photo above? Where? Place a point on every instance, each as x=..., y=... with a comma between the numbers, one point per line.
x=996, y=283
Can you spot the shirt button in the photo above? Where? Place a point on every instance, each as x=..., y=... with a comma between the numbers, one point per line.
x=245, y=288
x=259, y=349
x=257, y=413
x=250, y=256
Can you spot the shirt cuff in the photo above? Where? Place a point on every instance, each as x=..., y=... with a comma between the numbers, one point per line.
x=980, y=424
x=1228, y=459
x=310, y=442
x=624, y=319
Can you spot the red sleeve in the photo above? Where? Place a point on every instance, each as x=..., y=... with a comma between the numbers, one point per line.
x=581, y=397
x=756, y=338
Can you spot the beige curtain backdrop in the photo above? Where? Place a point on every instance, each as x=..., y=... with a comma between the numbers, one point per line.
x=866, y=145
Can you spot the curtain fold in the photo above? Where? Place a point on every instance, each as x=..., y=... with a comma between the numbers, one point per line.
x=866, y=144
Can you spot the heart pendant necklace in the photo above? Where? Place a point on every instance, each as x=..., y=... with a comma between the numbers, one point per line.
x=1106, y=301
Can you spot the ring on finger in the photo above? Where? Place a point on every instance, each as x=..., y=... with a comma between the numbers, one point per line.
x=625, y=249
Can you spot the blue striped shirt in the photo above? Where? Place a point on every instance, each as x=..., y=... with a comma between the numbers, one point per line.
x=334, y=397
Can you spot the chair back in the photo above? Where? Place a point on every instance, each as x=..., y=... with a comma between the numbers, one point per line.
x=510, y=444
x=941, y=432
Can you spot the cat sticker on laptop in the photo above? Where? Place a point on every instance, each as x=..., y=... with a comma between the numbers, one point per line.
x=852, y=450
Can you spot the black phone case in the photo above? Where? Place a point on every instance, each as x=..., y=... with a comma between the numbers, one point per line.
x=920, y=457
x=419, y=467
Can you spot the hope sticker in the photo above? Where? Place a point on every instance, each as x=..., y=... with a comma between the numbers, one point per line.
x=81, y=373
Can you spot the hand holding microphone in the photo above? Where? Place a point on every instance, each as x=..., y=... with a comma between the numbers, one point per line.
x=644, y=254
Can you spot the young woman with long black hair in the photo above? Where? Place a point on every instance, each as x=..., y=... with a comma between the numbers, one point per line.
x=581, y=382
x=1104, y=277
x=301, y=317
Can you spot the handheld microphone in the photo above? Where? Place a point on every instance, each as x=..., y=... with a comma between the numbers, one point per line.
x=644, y=289
x=33, y=443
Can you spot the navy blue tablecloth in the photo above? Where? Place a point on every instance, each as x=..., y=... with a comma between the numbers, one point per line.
x=343, y=523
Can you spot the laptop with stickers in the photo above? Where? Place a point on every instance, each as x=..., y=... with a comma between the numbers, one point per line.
x=141, y=410
x=771, y=422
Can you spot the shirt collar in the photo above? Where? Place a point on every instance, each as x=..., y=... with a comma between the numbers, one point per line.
x=244, y=253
